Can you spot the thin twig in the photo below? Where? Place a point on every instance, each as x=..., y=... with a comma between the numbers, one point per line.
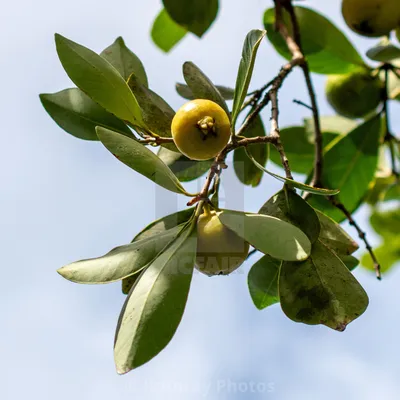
x=301, y=103
x=251, y=252
x=219, y=163
x=318, y=145
x=361, y=234
x=388, y=134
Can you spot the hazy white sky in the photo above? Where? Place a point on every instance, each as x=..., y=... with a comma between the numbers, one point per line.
x=63, y=199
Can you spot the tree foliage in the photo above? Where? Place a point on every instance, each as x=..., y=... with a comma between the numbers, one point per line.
x=307, y=257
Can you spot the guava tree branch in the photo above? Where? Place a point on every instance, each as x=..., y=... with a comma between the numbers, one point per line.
x=296, y=50
x=389, y=138
x=361, y=234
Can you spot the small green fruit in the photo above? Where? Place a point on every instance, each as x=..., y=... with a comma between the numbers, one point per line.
x=371, y=18
x=354, y=95
x=219, y=250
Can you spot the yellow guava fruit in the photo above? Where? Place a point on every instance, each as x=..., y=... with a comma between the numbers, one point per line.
x=201, y=129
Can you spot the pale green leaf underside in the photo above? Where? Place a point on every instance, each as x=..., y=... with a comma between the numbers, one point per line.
x=269, y=235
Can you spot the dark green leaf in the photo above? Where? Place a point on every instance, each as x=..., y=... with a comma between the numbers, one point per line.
x=78, y=115
x=201, y=86
x=299, y=151
x=140, y=159
x=249, y=52
x=263, y=282
x=269, y=235
x=321, y=290
x=196, y=17
x=99, y=80
x=335, y=237
x=327, y=49
x=295, y=184
x=384, y=52
x=128, y=282
x=154, y=308
x=166, y=33
x=185, y=169
x=349, y=165
x=120, y=262
x=185, y=91
x=245, y=169
x=156, y=112
x=329, y=125
x=290, y=207
x=349, y=261
x=124, y=60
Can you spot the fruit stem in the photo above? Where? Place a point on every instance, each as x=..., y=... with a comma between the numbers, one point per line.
x=206, y=209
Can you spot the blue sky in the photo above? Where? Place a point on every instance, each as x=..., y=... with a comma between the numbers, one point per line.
x=65, y=199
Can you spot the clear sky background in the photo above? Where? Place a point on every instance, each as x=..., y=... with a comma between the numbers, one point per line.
x=63, y=199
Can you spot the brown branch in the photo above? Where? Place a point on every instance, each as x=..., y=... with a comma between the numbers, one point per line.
x=361, y=233
x=219, y=164
x=389, y=138
x=318, y=145
x=270, y=96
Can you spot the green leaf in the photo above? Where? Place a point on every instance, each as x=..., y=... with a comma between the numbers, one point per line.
x=140, y=159
x=290, y=207
x=299, y=151
x=128, y=282
x=269, y=235
x=78, y=115
x=249, y=52
x=154, y=308
x=98, y=79
x=201, y=86
x=388, y=255
x=384, y=52
x=380, y=189
x=184, y=169
x=386, y=223
x=245, y=169
x=120, y=262
x=196, y=17
x=156, y=228
x=393, y=193
x=298, y=185
x=329, y=125
x=327, y=49
x=124, y=61
x=349, y=165
x=185, y=91
x=335, y=237
x=166, y=33
x=349, y=261
x=321, y=290
x=263, y=282
x=156, y=112
x=164, y=224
